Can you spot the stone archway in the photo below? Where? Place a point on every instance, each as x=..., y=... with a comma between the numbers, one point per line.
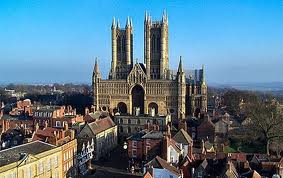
x=154, y=106
x=138, y=99
x=122, y=108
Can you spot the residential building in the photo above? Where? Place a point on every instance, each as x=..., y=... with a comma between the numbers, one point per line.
x=159, y=167
x=171, y=151
x=65, y=138
x=23, y=107
x=145, y=145
x=35, y=159
x=56, y=116
x=104, y=134
x=84, y=157
x=185, y=142
x=206, y=129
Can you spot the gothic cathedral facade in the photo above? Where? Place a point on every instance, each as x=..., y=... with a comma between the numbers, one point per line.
x=137, y=88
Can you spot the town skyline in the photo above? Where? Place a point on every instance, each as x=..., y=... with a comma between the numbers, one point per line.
x=235, y=41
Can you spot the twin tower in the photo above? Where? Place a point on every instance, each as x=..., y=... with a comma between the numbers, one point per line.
x=155, y=48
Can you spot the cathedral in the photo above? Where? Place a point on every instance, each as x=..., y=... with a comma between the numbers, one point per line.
x=134, y=88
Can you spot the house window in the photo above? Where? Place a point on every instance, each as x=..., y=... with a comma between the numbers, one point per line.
x=28, y=172
x=56, y=161
x=40, y=168
x=200, y=174
x=56, y=175
x=12, y=175
x=129, y=121
x=48, y=165
x=58, y=124
x=134, y=143
x=147, y=149
x=134, y=153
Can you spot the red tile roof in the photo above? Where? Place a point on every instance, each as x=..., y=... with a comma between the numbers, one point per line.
x=101, y=125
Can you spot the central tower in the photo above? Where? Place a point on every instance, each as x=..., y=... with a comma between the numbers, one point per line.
x=156, y=47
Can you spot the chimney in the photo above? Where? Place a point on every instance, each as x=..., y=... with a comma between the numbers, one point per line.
x=168, y=131
x=36, y=127
x=165, y=147
x=25, y=129
x=3, y=125
x=222, y=148
x=7, y=125
x=183, y=125
x=66, y=127
x=45, y=124
x=86, y=111
x=202, y=147
x=190, y=150
x=229, y=167
x=92, y=109
x=72, y=134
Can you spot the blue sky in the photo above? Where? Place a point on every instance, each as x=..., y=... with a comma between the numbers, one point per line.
x=57, y=41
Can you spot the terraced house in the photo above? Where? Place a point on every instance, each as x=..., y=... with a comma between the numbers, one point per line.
x=35, y=159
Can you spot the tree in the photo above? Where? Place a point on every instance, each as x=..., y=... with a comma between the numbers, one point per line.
x=265, y=119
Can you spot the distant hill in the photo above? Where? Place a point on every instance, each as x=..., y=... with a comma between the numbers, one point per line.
x=268, y=86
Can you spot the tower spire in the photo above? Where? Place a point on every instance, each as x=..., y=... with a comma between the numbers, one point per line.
x=131, y=22
x=128, y=22
x=163, y=16
x=203, y=75
x=145, y=16
x=96, y=70
x=118, y=23
x=180, y=68
x=113, y=23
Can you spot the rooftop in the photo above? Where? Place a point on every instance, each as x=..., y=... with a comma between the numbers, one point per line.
x=153, y=135
x=12, y=155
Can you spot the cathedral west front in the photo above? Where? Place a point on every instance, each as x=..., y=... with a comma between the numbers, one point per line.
x=143, y=88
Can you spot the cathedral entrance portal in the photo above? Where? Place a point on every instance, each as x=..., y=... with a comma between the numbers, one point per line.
x=122, y=108
x=138, y=100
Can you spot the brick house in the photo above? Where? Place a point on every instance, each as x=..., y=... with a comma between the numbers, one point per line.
x=145, y=144
x=206, y=129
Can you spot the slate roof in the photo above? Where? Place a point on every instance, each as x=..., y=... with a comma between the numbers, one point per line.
x=251, y=174
x=11, y=155
x=158, y=162
x=22, y=117
x=137, y=136
x=153, y=135
x=101, y=125
x=45, y=133
x=183, y=137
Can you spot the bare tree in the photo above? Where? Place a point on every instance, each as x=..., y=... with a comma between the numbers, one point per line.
x=265, y=118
